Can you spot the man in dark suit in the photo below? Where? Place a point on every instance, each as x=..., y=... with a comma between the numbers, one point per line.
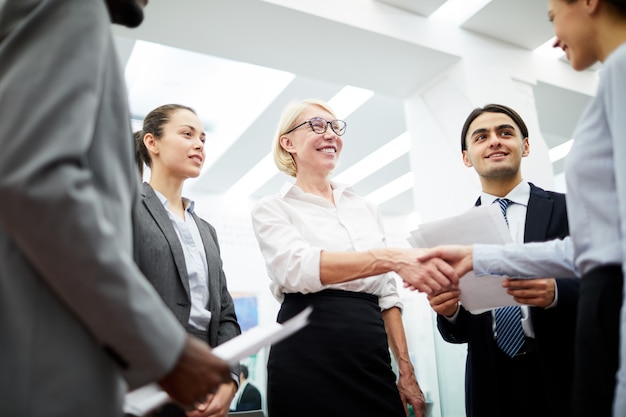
x=248, y=397
x=79, y=324
x=534, y=379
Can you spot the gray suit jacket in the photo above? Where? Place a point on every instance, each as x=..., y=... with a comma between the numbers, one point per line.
x=75, y=311
x=159, y=254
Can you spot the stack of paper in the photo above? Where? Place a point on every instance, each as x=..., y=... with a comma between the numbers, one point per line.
x=143, y=400
x=482, y=224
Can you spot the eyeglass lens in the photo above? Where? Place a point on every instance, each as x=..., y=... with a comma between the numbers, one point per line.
x=320, y=125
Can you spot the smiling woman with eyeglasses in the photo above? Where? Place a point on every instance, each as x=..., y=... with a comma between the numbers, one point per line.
x=324, y=246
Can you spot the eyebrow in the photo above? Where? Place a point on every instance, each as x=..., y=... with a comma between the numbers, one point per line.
x=500, y=127
x=193, y=128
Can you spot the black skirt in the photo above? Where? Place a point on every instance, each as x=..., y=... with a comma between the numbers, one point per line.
x=338, y=365
x=597, y=341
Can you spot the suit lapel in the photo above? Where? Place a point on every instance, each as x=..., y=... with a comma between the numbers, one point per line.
x=156, y=209
x=538, y=216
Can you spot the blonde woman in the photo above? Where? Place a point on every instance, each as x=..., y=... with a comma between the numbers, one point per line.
x=324, y=246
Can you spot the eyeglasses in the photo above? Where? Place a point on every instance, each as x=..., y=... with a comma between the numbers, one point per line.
x=319, y=125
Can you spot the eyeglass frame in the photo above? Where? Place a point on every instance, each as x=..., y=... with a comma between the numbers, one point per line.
x=328, y=123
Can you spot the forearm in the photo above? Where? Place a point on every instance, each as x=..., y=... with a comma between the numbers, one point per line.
x=397, y=339
x=538, y=259
x=336, y=267
x=409, y=389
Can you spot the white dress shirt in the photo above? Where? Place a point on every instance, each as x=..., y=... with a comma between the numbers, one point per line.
x=516, y=217
x=293, y=227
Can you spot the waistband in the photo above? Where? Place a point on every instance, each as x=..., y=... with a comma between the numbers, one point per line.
x=331, y=292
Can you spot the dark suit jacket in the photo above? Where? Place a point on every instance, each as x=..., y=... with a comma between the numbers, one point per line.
x=160, y=257
x=250, y=399
x=546, y=219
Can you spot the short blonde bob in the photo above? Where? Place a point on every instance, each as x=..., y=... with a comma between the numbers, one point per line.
x=288, y=120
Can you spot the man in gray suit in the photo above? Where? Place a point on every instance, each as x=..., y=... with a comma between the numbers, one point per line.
x=79, y=323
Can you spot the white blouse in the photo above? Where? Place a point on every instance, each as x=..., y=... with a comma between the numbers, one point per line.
x=293, y=227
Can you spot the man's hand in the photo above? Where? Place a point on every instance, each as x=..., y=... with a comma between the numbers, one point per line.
x=457, y=256
x=430, y=275
x=445, y=303
x=539, y=292
x=216, y=405
x=197, y=373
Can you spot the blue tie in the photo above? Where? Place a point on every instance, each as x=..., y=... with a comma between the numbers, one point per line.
x=509, y=332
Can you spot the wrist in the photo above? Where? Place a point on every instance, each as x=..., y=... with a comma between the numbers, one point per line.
x=383, y=260
x=405, y=367
x=449, y=314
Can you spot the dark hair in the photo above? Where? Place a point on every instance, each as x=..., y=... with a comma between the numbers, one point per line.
x=244, y=371
x=153, y=123
x=492, y=108
x=140, y=151
x=620, y=5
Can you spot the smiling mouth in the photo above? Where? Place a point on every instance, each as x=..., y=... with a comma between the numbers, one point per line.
x=328, y=150
x=497, y=155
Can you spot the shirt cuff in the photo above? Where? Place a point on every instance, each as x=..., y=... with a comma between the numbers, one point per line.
x=556, y=296
x=452, y=318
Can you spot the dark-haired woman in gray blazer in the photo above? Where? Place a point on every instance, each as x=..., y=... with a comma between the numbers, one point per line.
x=177, y=250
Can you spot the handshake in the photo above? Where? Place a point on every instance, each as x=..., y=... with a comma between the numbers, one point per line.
x=434, y=270
x=437, y=272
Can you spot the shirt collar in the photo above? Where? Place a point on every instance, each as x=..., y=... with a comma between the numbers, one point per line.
x=289, y=187
x=187, y=203
x=519, y=195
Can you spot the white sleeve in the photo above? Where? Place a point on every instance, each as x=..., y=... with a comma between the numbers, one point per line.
x=554, y=258
x=292, y=262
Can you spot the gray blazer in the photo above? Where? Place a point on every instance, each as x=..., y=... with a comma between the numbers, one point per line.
x=75, y=311
x=159, y=254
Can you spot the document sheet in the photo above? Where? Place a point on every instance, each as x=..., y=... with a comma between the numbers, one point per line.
x=482, y=224
x=145, y=399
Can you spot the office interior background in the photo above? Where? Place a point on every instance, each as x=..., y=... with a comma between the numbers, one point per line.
x=404, y=74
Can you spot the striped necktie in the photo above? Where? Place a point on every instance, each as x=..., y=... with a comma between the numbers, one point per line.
x=509, y=332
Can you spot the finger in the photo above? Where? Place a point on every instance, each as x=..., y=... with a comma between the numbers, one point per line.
x=522, y=286
x=435, y=284
x=445, y=269
x=202, y=406
x=527, y=293
x=531, y=301
x=427, y=255
x=431, y=277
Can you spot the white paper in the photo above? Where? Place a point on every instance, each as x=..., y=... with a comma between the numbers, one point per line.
x=482, y=224
x=145, y=399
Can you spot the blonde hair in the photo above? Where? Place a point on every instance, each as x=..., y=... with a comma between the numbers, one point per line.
x=283, y=159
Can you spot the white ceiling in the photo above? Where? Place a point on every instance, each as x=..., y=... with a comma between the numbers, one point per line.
x=266, y=53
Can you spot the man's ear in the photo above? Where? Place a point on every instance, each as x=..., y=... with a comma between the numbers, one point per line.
x=525, y=147
x=466, y=160
x=152, y=145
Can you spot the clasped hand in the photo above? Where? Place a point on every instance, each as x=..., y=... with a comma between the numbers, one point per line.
x=438, y=269
x=426, y=272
